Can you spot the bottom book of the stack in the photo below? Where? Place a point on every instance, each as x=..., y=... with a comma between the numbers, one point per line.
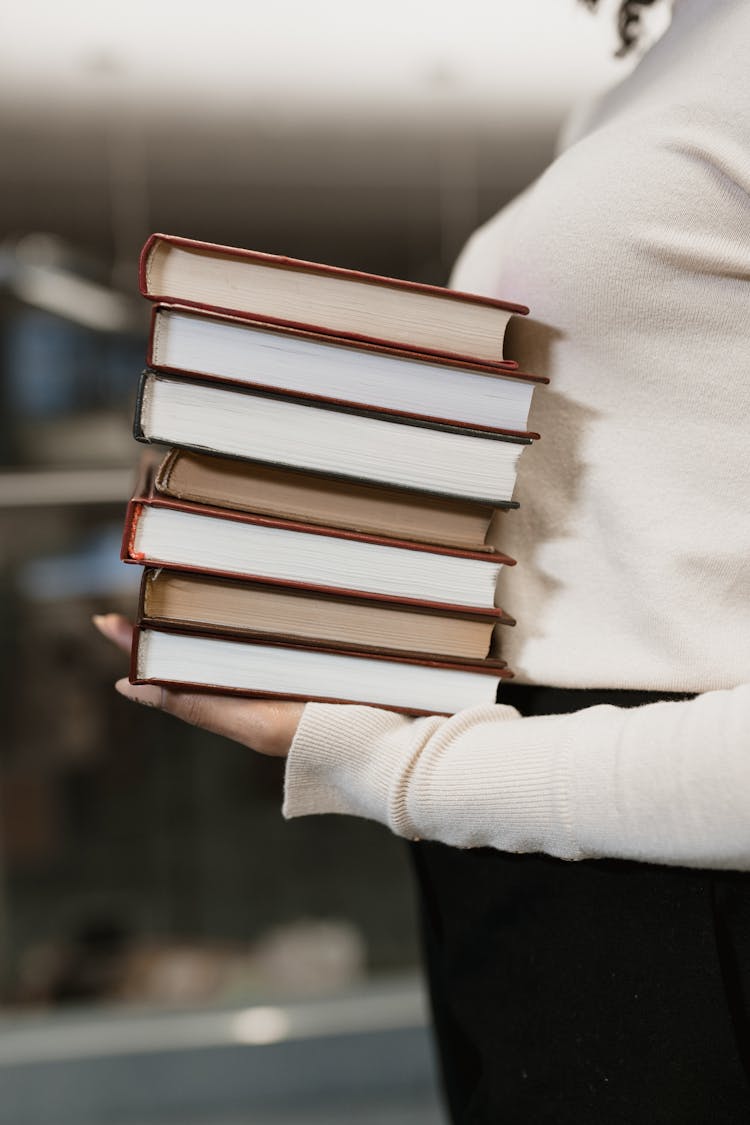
x=271, y=667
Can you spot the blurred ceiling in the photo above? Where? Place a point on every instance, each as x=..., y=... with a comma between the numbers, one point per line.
x=313, y=59
x=274, y=122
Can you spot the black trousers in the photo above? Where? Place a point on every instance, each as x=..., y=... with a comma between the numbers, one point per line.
x=599, y=991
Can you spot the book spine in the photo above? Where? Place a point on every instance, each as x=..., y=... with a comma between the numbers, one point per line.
x=141, y=613
x=143, y=262
x=152, y=342
x=128, y=553
x=138, y=430
x=135, y=645
x=163, y=477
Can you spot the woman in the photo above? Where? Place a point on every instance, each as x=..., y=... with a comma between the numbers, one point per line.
x=614, y=988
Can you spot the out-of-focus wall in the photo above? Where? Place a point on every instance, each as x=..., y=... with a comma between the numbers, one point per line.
x=370, y=135
x=139, y=860
x=373, y=134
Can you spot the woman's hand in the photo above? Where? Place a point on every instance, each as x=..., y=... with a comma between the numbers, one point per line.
x=264, y=725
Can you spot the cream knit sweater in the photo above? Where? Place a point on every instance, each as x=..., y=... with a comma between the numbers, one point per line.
x=633, y=536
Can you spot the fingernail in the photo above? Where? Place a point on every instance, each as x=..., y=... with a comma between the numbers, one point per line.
x=146, y=694
x=102, y=621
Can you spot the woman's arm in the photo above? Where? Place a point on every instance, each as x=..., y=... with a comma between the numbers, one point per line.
x=267, y=726
x=667, y=782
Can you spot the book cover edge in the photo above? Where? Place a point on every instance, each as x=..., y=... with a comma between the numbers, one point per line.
x=283, y=261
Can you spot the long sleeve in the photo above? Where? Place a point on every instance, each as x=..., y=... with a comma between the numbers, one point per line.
x=667, y=782
x=632, y=536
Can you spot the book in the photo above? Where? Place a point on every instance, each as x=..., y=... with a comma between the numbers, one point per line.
x=257, y=425
x=164, y=532
x=249, y=486
x=309, y=364
x=271, y=668
x=196, y=602
x=341, y=444
x=328, y=299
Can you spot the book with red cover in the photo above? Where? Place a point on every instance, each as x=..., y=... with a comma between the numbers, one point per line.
x=267, y=669
x=306, y=364
x=194, y=546
x=327, y=299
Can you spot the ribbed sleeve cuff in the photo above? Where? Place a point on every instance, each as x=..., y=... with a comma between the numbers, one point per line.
x=482, y=777
x=346, y=759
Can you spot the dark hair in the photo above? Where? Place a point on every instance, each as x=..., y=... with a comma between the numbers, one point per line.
x=628, y=21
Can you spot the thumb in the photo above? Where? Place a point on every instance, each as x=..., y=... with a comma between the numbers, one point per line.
x=200, y=710
x=147, y=694
x=267, y=726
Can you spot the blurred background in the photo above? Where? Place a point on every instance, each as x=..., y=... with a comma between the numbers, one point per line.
x=170, y=949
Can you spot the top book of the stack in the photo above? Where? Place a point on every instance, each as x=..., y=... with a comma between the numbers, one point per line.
x=327, y=299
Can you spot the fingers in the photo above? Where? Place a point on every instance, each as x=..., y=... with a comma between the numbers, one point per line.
x=115, y=628
x=267, y=726
x=147, y=694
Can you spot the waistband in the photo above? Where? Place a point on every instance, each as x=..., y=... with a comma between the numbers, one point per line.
x=533, y=699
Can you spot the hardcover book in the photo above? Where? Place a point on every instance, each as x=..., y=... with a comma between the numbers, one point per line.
x=164, y=532
x=272, y=490
x=328, y=299
x=342, y=443
x=256, y=425
x=271, y=668
x=309, y=364
x=200, y=603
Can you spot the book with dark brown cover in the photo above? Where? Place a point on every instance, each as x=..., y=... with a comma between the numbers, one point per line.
x=496, y=369
x=485, y=667
x=339, y=408
x=279, y=261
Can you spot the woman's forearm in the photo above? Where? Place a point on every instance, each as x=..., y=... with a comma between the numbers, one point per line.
x=667, y=783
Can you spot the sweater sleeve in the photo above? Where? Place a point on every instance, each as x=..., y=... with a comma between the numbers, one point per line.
x=667, y=782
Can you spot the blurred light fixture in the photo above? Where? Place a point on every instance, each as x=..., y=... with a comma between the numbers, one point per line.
x=257, y=1026
x=73, y=298
x=35, y=272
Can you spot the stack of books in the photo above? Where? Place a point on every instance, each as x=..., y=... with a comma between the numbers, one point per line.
x=341, y=444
